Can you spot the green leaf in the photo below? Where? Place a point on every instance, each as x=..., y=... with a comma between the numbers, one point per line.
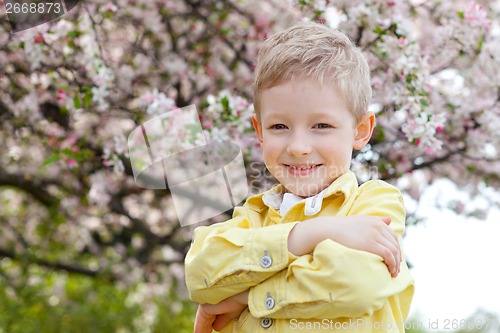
x=471, y=168
x=410, y=77
x=223, y=15
x=85, y=154
x=379, y=134
x=73, y=34
x=108, y=14
x=450, y=106
x=225, y=103
x=69, y=152
x=461, y=15
x=318, y=13
x=379, y=31
x=87, y=99
x=77, y=102
x=52, y=159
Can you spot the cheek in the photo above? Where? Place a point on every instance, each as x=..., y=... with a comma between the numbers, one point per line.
x=338, y=154
x=271, y=148
x=268, y=155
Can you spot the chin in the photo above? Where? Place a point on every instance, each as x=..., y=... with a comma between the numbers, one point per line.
x=304, y=192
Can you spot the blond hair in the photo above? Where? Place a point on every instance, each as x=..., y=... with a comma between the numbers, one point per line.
x=312, y=50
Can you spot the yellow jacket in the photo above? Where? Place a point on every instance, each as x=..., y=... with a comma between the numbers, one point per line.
x=334, y=289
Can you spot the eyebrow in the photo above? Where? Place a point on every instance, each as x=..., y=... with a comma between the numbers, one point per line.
x=325, y=114
x=317, y=114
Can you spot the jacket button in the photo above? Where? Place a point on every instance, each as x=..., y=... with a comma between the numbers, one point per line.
x=269, y=303
x=266, y=261
x=266, y=322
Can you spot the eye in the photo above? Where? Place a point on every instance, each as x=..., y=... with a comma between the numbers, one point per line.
x=323, y=126
x=278, y=127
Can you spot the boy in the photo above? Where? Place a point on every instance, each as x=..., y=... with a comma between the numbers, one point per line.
x=317, y=252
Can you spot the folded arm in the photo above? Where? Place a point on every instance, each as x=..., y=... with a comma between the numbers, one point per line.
x=230, y=257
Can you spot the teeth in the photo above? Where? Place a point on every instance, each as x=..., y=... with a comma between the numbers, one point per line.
x=302, y=168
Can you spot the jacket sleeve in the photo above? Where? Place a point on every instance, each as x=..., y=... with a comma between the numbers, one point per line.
x=230, y=257
x=336, y=281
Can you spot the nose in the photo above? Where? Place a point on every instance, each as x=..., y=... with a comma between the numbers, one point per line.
x=298, y=145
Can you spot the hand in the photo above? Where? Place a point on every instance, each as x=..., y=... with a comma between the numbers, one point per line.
x=217, y=316
x=361, y=232
x=371, y=234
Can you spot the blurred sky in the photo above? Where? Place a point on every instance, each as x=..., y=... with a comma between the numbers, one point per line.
x=455, y=259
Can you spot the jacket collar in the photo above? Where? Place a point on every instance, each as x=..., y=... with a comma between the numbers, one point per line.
x=345, y=184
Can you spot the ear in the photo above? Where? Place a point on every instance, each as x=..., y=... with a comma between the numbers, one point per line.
x=364, y=130
x=258, y=128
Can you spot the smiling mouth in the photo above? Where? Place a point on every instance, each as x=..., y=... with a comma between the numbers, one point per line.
x=302, y=167
x=301, y=170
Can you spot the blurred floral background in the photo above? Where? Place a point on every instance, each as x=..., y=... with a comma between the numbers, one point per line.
x=84, y=249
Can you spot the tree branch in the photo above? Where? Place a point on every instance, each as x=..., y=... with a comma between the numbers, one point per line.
x=33, y=187
x=70, y=268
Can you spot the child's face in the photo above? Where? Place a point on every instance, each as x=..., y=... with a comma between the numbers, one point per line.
x=307, y=134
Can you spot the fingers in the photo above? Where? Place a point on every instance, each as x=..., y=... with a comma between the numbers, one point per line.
x=225, y=306
x=386, y=219
x=203, y=321
x=391, y=255
x=372, y=234
x=393, y=238
x=391, y=252
x=218, y=315
x=388, y=257
x=221, y=321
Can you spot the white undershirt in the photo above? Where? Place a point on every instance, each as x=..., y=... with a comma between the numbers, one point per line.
x=289, y=200
x=285, y=201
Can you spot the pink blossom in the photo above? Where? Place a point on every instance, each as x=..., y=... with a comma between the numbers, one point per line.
x=110, y=8
x=38, y=38
x=475, y=15
x=428, y=150
x=61, y=96
x=53, y=141
x=402, y=42
x=69, y=141
x=148, y=97
x=71, y=163
x=210, y=71
x=261, y=21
